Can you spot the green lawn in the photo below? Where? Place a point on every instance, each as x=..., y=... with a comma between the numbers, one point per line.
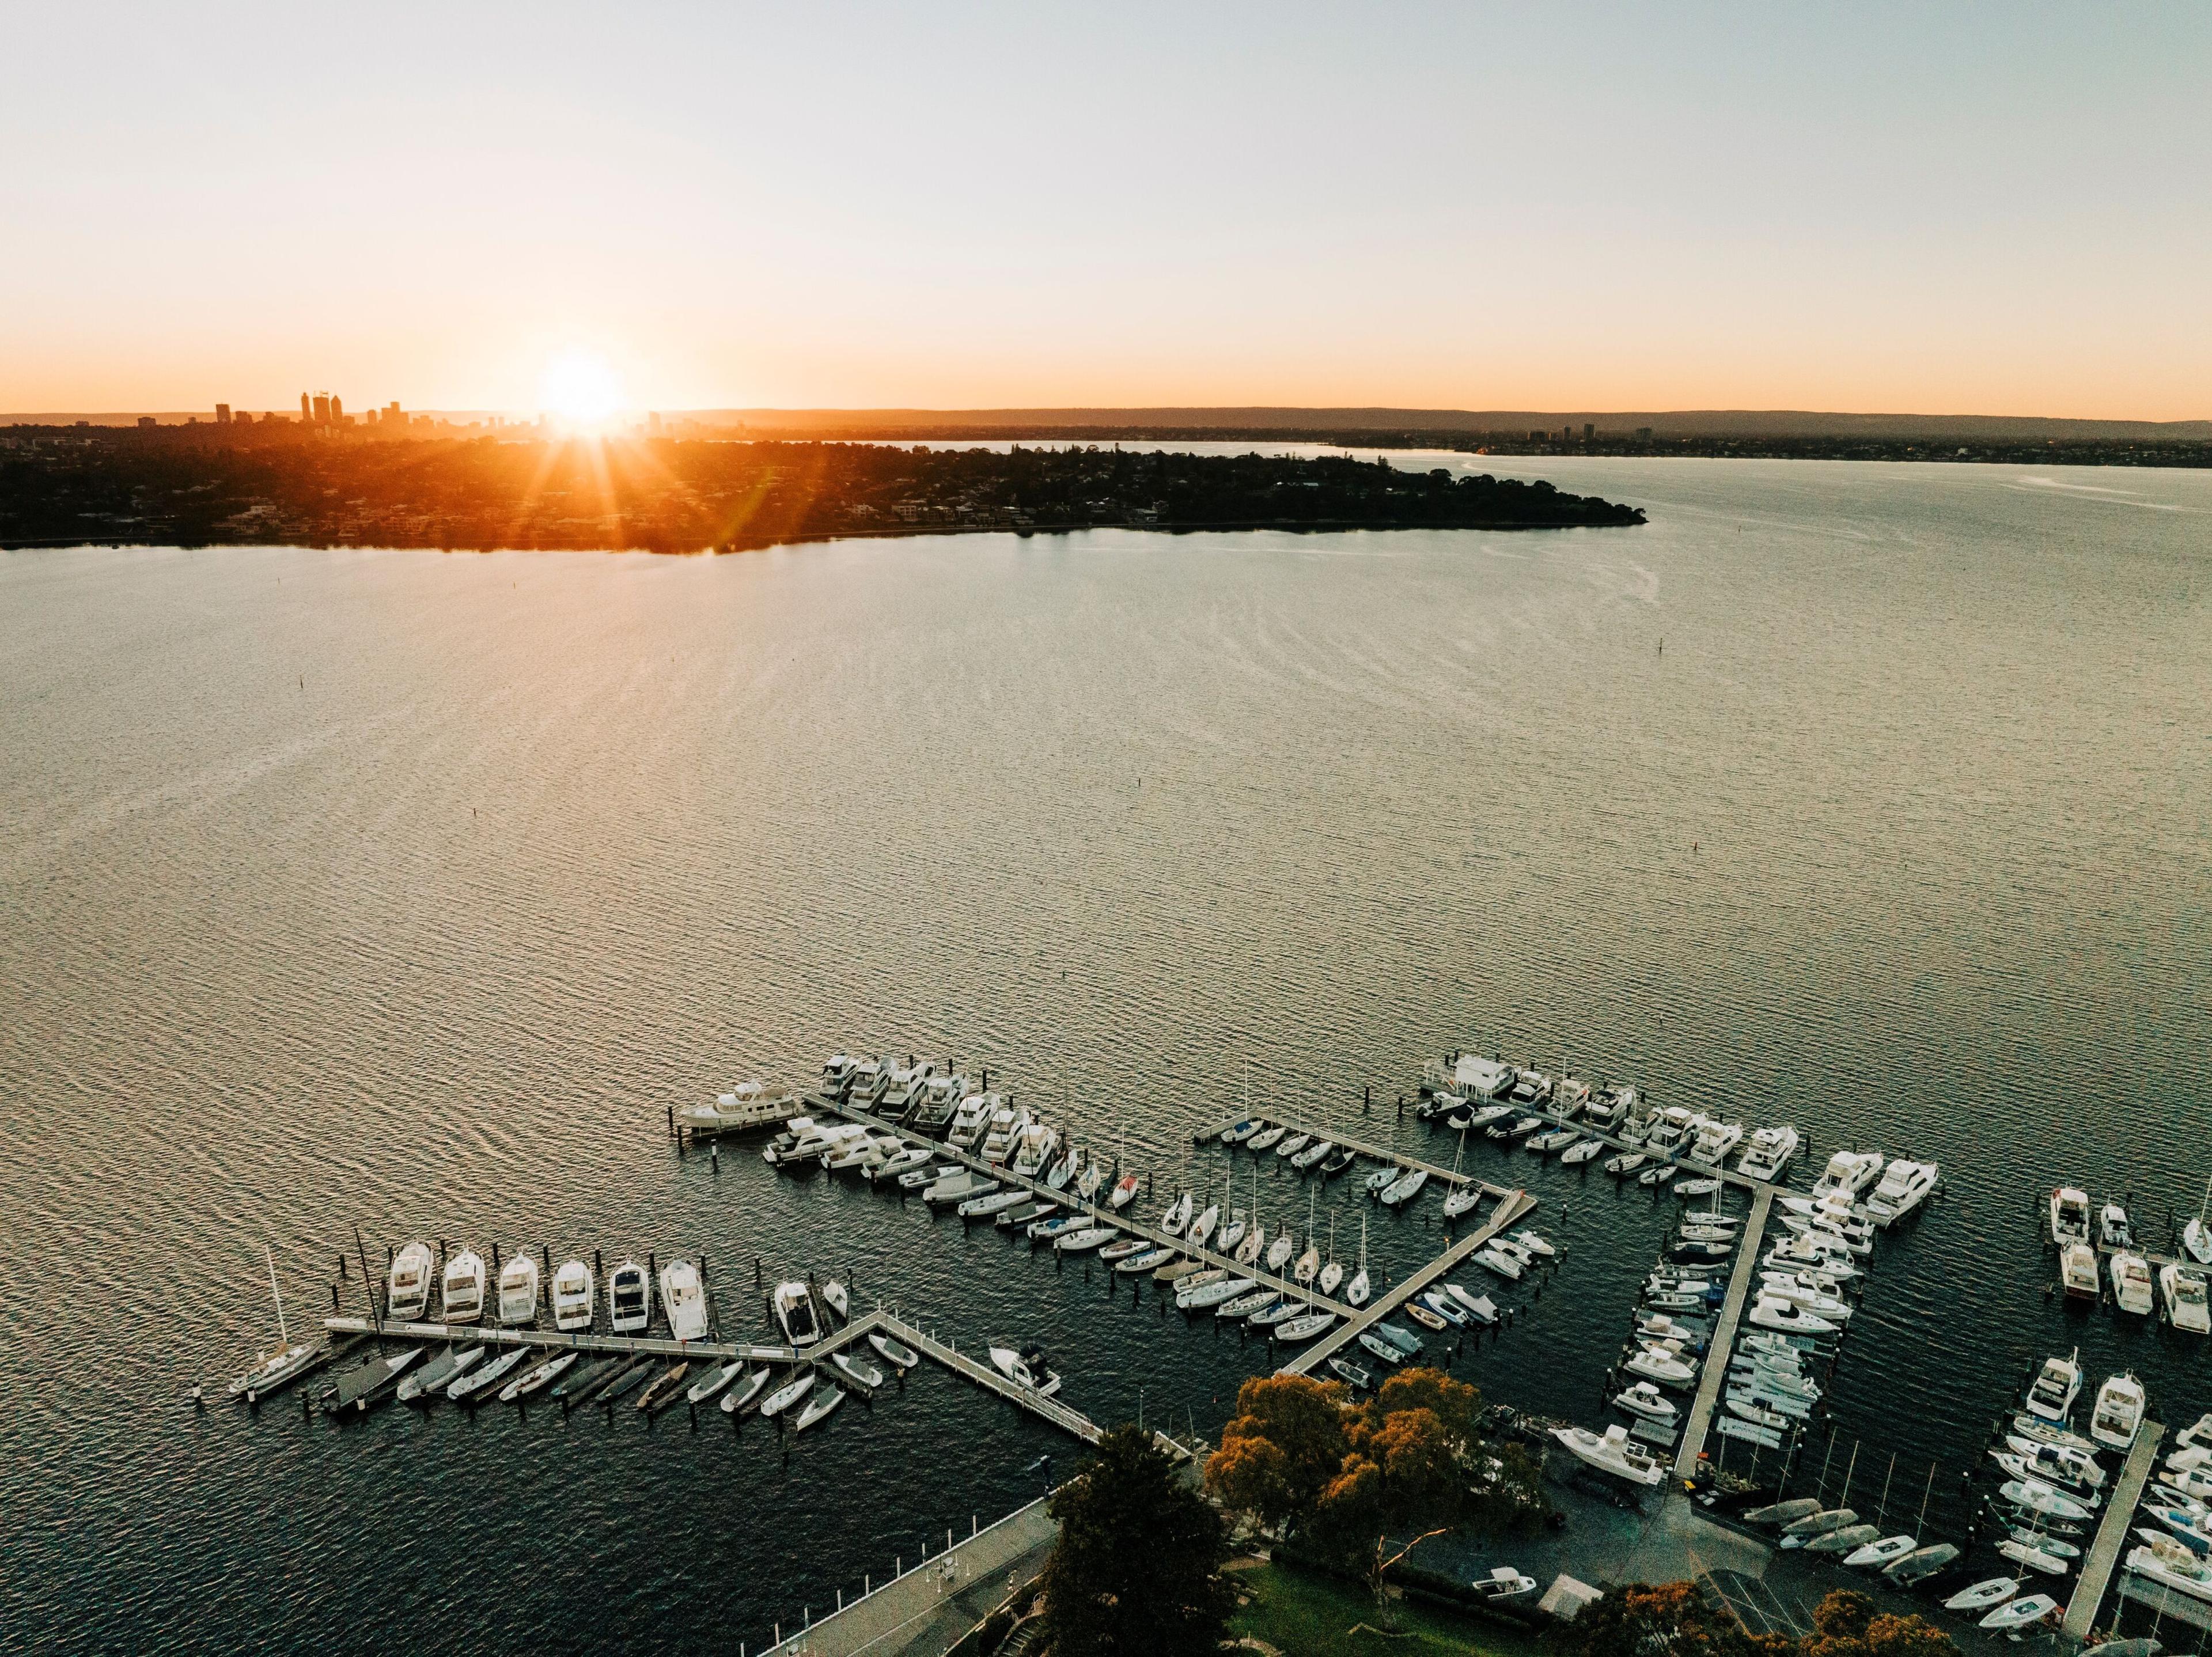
x=1307, y=1615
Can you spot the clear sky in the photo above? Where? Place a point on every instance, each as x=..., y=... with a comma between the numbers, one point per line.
x=1952, y=207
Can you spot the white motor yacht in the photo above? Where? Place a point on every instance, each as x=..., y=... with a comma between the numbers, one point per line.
x=2078, y=1271
x=1025, y=1369
x=867, y=1081
x=518, y=1290
x=1033, y=1149
x=1007, y=1121
x=2050, y=1396
x=2118, y=1414
x=1476, y=1077
x=461, y=1297
x=1768, y=1153
x=1648, y=1401
x=2132, y=1286
x=1715, y=1140
x=1672, y=1129
x=1612, y=1453
x=628, y=1307
x=972, y=1120
x=1904, y=1185
x=683, y=1300
x=1848, y=1173
x=2186, y=1307
x=407, y=1291
x=746, y=1106
x=2173, y=1565
x=572, y=1296
x=2070, y=1215
x=1658, y=1364
x=795, y=1312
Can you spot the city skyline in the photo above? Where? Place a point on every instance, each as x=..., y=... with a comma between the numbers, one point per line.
x=1720, y=208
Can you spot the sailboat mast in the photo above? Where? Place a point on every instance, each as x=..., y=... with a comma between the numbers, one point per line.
x=283, y=1340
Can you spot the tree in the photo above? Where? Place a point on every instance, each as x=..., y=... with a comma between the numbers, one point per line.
x=1285, y=1444
x=1137, y=1567
x=1846, y=1624
x=1671, y=1619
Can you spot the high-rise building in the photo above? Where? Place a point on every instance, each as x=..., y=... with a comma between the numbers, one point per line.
x=337, y=411
x=321, y=413
x=306, y=413
x=1589, y=430
x=145, y=423
x=222, y=414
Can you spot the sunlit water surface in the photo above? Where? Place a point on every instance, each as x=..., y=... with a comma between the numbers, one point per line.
x=410, y=891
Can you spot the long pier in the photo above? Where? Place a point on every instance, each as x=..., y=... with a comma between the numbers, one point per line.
x=1718, y=1352
x=1515, y=1204
x=2112, y=1532
x=1119, y=1219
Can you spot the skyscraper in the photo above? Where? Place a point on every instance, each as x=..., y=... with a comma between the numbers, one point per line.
x=321, y=415
x=306, y=413
x=337, y=411
x=222, y=414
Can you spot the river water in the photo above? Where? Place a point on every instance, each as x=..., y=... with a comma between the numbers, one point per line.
x=410, y=891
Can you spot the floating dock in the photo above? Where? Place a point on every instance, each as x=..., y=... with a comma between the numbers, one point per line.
x=1121, y=1219
x=984, y=1375
x=1515, y=1204
x=1373, y=1152
x=1714, y=1376
x=2112, y=1532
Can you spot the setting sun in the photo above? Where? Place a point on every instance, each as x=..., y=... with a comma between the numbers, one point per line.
x=579, y=387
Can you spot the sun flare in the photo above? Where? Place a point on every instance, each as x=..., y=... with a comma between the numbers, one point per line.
x=580, y=389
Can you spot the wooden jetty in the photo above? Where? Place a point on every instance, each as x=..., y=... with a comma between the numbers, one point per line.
x=984, y=1375
x=1515, y=1204
x=1715, y=1374
x=1122, y=1220
x=2112, y=1532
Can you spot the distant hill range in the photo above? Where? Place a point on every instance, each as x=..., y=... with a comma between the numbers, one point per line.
x=1677, y=423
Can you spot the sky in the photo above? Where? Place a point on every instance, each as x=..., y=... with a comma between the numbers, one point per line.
x=1952, y=209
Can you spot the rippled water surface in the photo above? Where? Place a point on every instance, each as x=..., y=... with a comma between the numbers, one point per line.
x=410, y=891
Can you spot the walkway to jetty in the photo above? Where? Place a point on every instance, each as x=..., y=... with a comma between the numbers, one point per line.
x=1514, y=1205
x=1121, y=1219
x=1373, y=1152
x=1723, y=1342
x=2112, y=1532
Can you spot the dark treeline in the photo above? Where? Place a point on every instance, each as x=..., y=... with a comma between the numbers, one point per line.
x=190, y=486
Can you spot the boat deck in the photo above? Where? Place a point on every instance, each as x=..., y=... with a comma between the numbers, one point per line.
x=1714, y=1376
x=1514, y=1205
x=2112, y=1532
x=1122, y=1220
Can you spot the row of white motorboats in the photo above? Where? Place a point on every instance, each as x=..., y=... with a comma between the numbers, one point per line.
x=2087, y=1242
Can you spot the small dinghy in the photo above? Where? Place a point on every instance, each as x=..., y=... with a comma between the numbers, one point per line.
x=1849, y=1539
x=823, y=1402
x=582, y=1379
x=1921, y=1564
x=1351, y=1373
x=1782, y=1512
x=740, y=1398
x=2035, y=1558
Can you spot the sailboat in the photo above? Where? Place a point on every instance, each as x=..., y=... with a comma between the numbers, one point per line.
x=1309, y=1263
x=1333, y=1273
x=1255, y=1238
x=1125, y=1188
x=280, y=1367
x=2196, y=1235
x=1357, y=1293
x=1279, y=1251
x=1463, y=1197
x=1232, y=1232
